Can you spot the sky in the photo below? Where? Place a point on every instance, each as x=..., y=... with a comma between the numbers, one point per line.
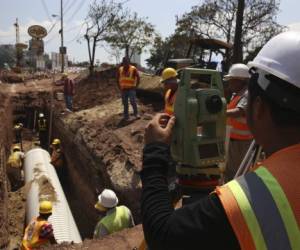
x=160, y=13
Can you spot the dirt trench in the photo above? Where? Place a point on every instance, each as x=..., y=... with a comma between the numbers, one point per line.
x=100, y=150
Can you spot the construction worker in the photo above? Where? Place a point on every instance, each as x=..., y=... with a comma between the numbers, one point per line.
x=39, y=232
x=15, y=168
x=18, y=132
x=240, y=135
x=69, y=91
x=259, y=210
x=57, y=159
x=128, y=79
x=170, y=81
x=116, y=217
x=42, y=129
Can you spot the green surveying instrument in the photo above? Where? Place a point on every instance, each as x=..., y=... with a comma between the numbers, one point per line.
x=198, y=142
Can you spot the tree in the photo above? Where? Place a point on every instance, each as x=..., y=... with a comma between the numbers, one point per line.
x=238, y=46
x=101, y=17
x=217, y=19
x=7, y=55
x=131, y=33
x=174, y=46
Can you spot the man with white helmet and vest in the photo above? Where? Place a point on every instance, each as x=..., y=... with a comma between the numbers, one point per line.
x=116, y=217
x=128, y=79
x=259, y=210
x=39, y=231
x=42, y=129
x=240, y=135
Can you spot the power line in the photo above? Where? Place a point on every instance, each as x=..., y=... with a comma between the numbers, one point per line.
x=76, y=11
x=78, y=34
x=46, y=10
x=70, y=6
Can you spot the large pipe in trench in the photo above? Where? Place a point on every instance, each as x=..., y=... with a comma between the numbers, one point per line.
x=45, y=185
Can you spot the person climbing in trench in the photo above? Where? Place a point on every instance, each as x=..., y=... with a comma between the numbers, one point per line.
x=57, y=159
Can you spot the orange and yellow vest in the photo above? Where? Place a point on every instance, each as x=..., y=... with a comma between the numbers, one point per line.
x=127, y=80
x=31, y=237
x=263, y=207
x=169, y=102
x=239, y=127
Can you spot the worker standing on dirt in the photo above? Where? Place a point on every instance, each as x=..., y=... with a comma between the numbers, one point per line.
x=57, y=159
x=116, y=217
x=42, y=128
x=170, y=81
x=128, y=79
x=39, y=232
x=18, y=132
x=69, y=91
x=15, y=168
x=259, y=210
x=240, y=135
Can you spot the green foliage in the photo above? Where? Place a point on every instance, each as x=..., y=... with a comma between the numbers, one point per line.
x=216, y=19
x=102, y=15
x=7, y=55
x=131, y=33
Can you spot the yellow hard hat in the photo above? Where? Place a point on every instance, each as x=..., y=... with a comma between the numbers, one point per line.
x=45, y=207
x=56, y=141
x=65, y=74
x=16, y=147
x=167, y=74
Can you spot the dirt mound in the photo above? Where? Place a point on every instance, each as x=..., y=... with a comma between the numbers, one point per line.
x=95, y=90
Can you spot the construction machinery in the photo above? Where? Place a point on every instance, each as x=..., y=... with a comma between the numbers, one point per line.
x=199, y=54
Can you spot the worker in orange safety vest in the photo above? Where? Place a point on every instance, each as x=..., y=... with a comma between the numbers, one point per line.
x=259, y=210
x=128, y=79
x=240, y=135
x=170, y=81
x=39, y=232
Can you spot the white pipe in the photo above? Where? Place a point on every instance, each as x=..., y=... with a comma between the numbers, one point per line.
x=45, y=185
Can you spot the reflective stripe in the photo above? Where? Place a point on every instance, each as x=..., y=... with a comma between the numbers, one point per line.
x=235, y=217
x=248, y=214
x=169, y=102
x=240, y=129
x=127, y=81
x=269, y=219
x=283, y=206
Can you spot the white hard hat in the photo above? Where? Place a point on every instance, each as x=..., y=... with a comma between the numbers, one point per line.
x=108, y=198
x=280, y=57
x=238, y=71
x=41, y=115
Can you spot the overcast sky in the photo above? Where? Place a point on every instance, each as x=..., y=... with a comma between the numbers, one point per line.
x=161, y=13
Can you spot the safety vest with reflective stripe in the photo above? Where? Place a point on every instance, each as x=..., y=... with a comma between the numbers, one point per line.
x=239, y=127
x=31, y=237
x=118, y=220
x=42, y=123
x=169, y=102
x=127, y=79
x=263, y=206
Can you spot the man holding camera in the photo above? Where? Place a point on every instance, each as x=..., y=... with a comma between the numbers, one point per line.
x=259, y=210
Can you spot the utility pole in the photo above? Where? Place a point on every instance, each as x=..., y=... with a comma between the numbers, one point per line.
x=62, y=51
x=238, y=45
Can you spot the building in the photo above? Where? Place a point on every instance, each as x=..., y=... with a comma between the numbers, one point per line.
x=56, y=60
